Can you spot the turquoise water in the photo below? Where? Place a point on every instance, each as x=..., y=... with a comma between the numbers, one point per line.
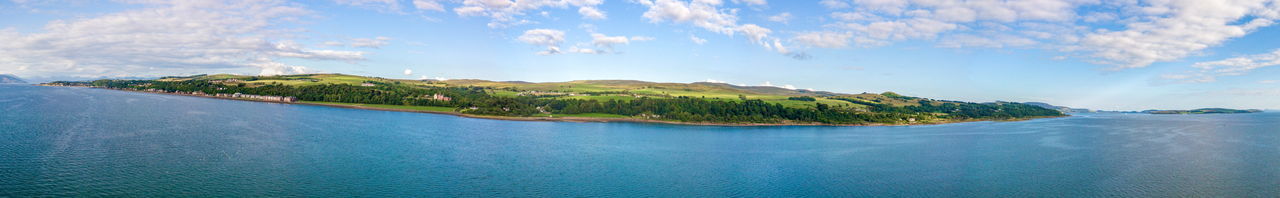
x=59, y=141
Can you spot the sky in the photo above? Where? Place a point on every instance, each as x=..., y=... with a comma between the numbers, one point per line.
x=1112, y=55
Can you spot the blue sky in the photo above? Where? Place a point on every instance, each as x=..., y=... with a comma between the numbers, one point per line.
x=1117, y=55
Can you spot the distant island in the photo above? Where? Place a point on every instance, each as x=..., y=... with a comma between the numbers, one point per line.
x=702, y=103
x=1202, y=111
x=11, y=79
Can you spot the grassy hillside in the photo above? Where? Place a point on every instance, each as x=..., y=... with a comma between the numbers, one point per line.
x=588, y=89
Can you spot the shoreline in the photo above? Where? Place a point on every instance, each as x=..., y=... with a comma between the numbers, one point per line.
x=564, y=119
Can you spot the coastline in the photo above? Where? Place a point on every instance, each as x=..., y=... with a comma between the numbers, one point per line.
x=568, y=119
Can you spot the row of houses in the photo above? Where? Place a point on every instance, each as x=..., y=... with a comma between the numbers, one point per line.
x=234, y=95
x=259, y=97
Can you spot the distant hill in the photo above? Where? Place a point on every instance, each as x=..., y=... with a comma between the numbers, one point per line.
x=1059, y=108
x=11, y=79
x=1202, y=111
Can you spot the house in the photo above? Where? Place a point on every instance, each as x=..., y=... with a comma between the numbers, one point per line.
x=439, y=97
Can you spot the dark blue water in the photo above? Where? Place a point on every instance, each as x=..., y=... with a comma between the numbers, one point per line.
x=59, y=141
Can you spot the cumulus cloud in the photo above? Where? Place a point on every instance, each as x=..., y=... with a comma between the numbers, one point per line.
x=781, y=18
x=379, y=5
x=834, y=4
x=642, y=38
x=591, y=13
x=1240, y=65
x=707, y=14
x=1177, y=29
x=1135, y=34
x=377, y=42
x=754, y=32
x=408, y=72
x=504, y=13
x=824, y=39
x=604, y=44
x=697, y=40
x=752, y=2
x=430, y=5
x=602, y=40
x=165, y=37
x=701, y=13
x=549, y=38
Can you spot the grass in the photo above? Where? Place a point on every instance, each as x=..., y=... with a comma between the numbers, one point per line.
x=600, y=98
x=405, y=107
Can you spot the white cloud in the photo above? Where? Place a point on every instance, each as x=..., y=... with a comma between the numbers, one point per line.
x=544, y=37
x=825, y=39
x=161, y=38
x=642, y=38
x=697, y=40
x=1176, y=29
x=783, y=18
x=408, y=72
x=605, y=44
x=431, y=5
x=576, y=49
x=834, y=4
x=914, y=28
x=504, y=13
x=1133, y=34
x=377, y=42
x=700, y=13
x=333, y=44
x=707, y=15
x=379, y=5
x=752, y=2
x=854, y=16
x=770, y=84
x=754, y=32
x=591, y=13
x=994, y=41
x=602, y=40
x=1268, y=81
x=1240, y=65
x=714, y=81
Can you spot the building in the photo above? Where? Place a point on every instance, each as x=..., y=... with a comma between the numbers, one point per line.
x=258, y=97
x=440, y=97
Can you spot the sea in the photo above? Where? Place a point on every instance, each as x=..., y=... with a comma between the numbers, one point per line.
x=83, y=142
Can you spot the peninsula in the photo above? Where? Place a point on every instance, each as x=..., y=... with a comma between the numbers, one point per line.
x=701, y=103
x=1202, y=111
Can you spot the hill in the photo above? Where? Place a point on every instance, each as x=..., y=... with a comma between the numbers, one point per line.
x=1059, y=108
x=11, y=79
x=716, y=103
x=1202, y=111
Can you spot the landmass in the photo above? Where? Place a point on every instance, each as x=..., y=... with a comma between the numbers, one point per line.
x=1202, y=111
x=11, y=79
x=1060, y=108
x=701, y=103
